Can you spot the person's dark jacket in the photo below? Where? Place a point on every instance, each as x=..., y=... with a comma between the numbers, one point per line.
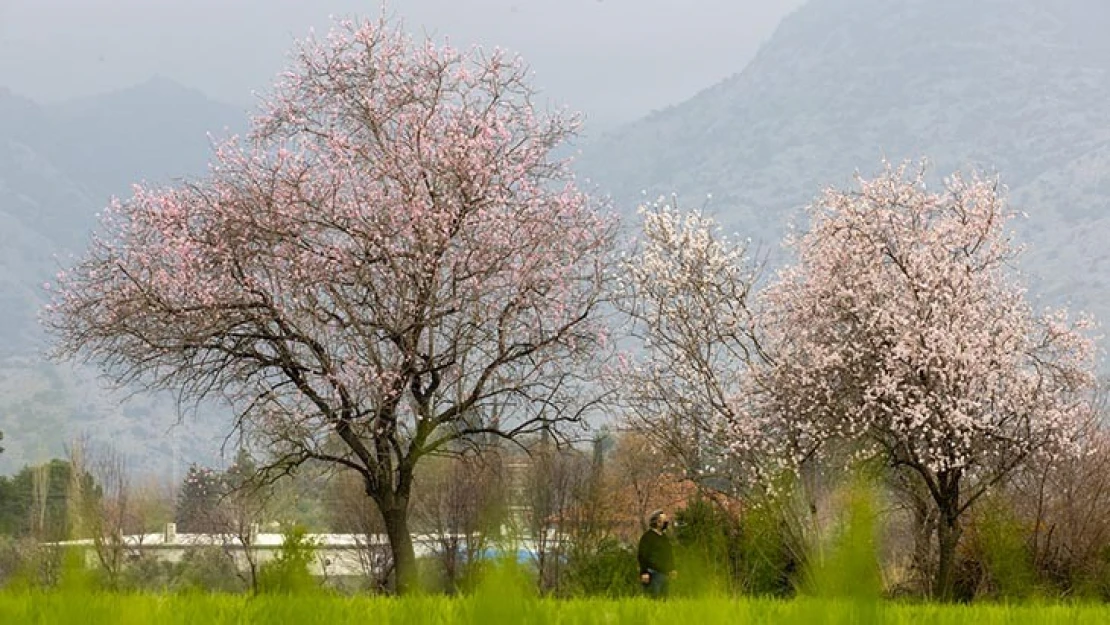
x=655, y=553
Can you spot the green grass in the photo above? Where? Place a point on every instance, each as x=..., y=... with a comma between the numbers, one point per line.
x=70, y=607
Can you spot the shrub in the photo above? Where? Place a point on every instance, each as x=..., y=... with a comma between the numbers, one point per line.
x=1000, y=548
x=148, y=573
x=288, y=572
x=611, y=570
x=847, y=564
x=209, y=569
x=24, y=563
x=708, y=550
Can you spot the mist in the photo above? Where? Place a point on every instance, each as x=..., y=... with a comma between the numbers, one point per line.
x=613, y=59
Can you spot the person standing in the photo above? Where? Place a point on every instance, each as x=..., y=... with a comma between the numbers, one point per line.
x=656, y=556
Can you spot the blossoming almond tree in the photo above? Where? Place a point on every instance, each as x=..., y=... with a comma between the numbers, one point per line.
x=686, y=291
x=390, y=265
x=902, y=326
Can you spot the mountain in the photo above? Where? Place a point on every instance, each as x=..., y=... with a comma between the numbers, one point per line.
x=1017, y=87
x=59, y=165
x=155, y=131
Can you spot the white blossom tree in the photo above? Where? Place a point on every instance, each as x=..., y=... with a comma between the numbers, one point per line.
x=903, y=328
x=685, y=291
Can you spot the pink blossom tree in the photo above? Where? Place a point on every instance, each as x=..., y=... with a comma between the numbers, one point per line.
x=391, y=265
x=902, y=328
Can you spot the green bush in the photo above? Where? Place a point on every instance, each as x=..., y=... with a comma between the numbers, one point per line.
x=1004, y=556
x=1093, y=580
x=150, y=574
x=766, y=565
x=13, y=560
x=434, y=577
x=25, y=564
x=288, y=572
x=708, y=550
x=208, y=569
x=610, y=570
x=847, y=567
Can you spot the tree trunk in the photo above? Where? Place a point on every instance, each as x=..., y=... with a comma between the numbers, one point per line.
x=451, y=563
x=924, y=528
x=400, y=545
x=948, y=536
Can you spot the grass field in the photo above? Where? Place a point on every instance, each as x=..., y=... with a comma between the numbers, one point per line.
x=63, y=608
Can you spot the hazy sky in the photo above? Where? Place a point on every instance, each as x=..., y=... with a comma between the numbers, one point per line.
x=615, y=59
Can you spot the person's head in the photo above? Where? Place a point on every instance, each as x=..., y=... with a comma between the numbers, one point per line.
x=659, y=521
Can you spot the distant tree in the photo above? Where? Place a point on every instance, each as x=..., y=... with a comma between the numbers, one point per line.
x=351, y=512
x=588, y=520
x=393, y=260
x=1063, y=505
x=9, y=511
x=197, y=499
x=240, y=510
x=640, y=479
x=109, y=513
x=461, y=501
x=231, y=506
x=902, y=329
x=553, y=481
x=302, y=499
x=37, y=502
x=241, y=472
x=155, y=502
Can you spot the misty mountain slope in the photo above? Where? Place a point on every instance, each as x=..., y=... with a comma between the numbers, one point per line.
x=1017, y=87
x=157, y=132
x=67, y=160
x=37, y=206
x=1068, y=235
x=20, y=117
x=59, y=166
